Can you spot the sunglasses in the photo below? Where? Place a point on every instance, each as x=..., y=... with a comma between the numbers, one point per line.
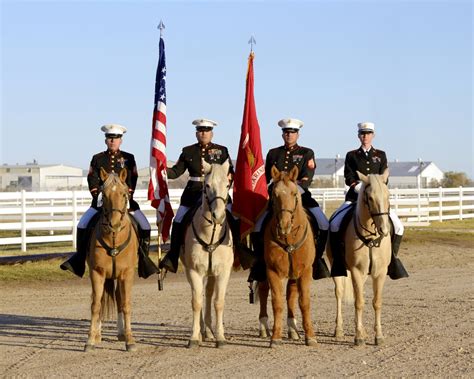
x=290, y=131
x=364, y=133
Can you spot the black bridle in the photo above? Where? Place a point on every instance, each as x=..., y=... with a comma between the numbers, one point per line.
x=211, y=246
x=107, y=228
x=280, y=211
x=367, y=240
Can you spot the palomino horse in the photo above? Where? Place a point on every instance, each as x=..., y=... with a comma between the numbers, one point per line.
x=367, y=252
x=112, y=256
x=208, y=252
x=289, y=252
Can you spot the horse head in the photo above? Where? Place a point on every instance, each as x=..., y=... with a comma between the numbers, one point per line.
x=285, y=198
x=216, y=190
x=375, y=196
x=114, y=198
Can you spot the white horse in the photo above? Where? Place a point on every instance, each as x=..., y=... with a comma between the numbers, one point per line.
x=367, y=252
x=208, y=252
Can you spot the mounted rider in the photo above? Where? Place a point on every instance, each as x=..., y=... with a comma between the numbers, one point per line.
x=112, y=161
x=191, y=160
x=367, y=160
x=284, y=158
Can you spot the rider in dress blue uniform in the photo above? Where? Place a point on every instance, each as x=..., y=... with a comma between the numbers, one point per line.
x=112, y=160
x=367, y=160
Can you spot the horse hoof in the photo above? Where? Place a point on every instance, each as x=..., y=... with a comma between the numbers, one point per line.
x=275, y=343
x=339, y=336
x=379, y=341
x=311, y=341
x=293, y=335
x=263, y=334
x=121, y=337
x=88, y=347
x=193, y=344
x=221, y=344
x=359, y=341
x=131, y=347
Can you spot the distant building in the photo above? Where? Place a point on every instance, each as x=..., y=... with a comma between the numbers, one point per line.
x=402, y=174
x=35, y=177
x=413, y=174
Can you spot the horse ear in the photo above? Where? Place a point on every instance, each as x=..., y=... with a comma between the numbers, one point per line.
x=103, y=174
x=275, y=174
x=206, y=166
x=385, y=176
x=362, y=177
x=123, y=174
x=294, y=174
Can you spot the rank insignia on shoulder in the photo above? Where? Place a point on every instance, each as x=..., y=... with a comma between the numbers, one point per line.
x=311, y=164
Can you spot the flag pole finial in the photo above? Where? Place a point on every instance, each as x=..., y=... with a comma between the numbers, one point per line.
x=161, y=26
x=252, y=42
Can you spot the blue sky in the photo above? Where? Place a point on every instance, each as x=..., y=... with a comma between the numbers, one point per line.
x=69, y=67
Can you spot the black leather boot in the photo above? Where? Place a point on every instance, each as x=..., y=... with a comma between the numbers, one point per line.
x=170, y=261
x=320, y=269
x=146, y=267
x=338, y=267
x=258, y=271
x=245, y=254
x=395, y=268
x=77, y=262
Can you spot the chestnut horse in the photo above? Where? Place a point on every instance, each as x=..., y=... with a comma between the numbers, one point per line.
x=289, y=252
x=112, y=256
x=367, y=253
x=208, y=252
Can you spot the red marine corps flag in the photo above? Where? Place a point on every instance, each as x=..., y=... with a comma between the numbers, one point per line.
x=158, y=186
x=250, y=193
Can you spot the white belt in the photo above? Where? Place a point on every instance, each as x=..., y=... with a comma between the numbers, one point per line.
x=196, y=178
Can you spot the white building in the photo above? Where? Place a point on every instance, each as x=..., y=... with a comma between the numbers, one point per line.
x=35, y=177
x=402, y=174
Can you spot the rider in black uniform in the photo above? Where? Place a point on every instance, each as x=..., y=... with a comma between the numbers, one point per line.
x=191, y=159
x=112, y=160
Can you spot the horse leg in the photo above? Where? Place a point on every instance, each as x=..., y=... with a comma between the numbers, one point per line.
x=196, y=282
x=263, y=290
x=291, y=297
x=120, y=322
x=377, y=284
x=97, y=281
x=125, y=285
x=206, y=329
x=359, y=303
x=276, y=286
x=339, y=291
x=219, y=301
x=304, y=286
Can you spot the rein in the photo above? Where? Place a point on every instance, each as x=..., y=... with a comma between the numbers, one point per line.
x=289, y=248
x=107, y=229
x=367, y=240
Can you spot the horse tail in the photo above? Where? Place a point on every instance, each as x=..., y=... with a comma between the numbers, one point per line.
x=348, y=289
x=108, y=301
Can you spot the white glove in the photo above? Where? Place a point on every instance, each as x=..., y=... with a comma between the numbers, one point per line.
x=357, y=187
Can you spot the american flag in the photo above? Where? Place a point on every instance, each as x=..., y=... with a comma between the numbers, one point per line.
x=158, y=186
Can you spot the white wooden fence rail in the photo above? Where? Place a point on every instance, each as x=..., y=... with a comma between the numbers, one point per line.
x=54, y=215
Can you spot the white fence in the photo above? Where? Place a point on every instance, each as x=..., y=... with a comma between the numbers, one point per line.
x=56, y=213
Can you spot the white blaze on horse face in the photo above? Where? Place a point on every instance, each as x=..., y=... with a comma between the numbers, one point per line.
x=284, y=205
x=216, y=186
x=379, y=202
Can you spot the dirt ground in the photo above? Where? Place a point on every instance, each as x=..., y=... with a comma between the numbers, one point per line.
x=427, y=321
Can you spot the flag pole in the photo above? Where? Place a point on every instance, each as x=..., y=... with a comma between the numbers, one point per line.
x=161, y=272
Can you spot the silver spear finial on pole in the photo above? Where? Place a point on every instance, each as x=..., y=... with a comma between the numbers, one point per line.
x=161, y=26
x=252, y=42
